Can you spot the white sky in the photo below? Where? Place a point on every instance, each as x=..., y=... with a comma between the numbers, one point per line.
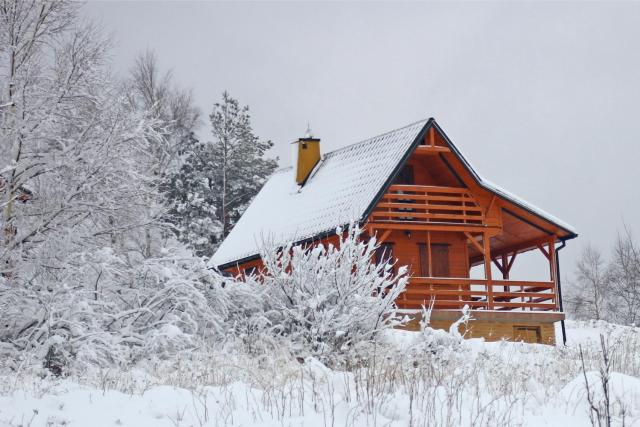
x=543, y=99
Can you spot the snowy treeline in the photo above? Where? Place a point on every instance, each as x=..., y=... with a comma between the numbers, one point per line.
x=108, y=200
x=608, y=289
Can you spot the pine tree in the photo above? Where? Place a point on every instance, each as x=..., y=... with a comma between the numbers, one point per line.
x=191, y=200
x=239, y=168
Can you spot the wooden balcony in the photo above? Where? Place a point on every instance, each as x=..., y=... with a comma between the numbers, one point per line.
x=479, y=294
x=428, y=204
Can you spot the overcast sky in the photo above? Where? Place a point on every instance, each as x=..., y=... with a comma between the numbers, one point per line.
x=543, y=98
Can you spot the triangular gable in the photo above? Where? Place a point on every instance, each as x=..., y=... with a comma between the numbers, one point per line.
x=564, y=230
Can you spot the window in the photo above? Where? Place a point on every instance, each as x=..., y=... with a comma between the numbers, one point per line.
x=529, y=334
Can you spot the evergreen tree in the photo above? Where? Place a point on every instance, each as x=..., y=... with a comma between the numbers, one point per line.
x=191, y=199
x=238, y=168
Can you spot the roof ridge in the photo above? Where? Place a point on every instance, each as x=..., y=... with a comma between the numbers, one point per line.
x=376, y=136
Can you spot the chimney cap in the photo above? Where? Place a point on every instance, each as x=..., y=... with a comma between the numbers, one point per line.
x=308, y=136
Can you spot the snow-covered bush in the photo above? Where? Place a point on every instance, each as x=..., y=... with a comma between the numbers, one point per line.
x=329, y=299
x=148, y=310
x=439, y=342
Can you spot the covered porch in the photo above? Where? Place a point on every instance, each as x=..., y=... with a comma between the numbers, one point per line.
x=441, y=233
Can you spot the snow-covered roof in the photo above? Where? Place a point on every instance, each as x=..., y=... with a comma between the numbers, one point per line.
x=341, y=188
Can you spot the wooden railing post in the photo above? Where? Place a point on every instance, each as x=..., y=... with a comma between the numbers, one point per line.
x=487, y=269
x=553, y=270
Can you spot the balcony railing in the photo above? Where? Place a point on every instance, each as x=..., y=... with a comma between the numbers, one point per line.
x=479, y=294
x=428, y=204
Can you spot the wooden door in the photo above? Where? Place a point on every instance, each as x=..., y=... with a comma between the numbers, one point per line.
x=528, y=334
x=439, y=260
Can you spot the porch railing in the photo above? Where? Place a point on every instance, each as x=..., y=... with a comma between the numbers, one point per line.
x=479, y=294
x=428, y=204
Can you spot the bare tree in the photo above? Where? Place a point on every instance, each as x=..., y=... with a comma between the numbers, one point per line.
x=587, y=299
x=172, y=107
x=175, y=117
x=25, y=27
x=624, y=279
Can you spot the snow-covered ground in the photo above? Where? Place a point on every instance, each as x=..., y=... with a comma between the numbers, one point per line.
x=473, y=383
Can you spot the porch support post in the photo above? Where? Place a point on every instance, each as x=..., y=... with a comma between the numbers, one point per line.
x=429, y=252
x=505, y=266
x=487, y=269
x=505, y=271
x=553, y=268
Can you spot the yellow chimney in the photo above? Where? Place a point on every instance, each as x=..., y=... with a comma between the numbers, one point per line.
x=307, y=155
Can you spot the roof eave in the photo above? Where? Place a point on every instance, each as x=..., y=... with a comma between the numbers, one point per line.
x=322, y=235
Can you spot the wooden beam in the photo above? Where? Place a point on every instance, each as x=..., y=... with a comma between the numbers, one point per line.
x=505, y=270
x=431, y=149
x=513, y=258
x=552, y=267
x=429, y=252
x=493, y=200
x=428, y=188
x=475, y=243
x=427, y=206
x=517, y=248
x=432, y=137
x=384, y=236
x=505, y=266
x=487, y=269
x=406, y=225
x=443, y=216
x=544, y=251
x=497, y=264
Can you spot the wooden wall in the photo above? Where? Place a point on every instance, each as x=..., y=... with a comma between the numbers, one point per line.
x=406, y=250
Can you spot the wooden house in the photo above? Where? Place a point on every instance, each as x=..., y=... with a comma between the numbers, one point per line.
x=415, y=191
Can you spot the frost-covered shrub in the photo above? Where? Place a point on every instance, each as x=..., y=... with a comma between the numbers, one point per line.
x=246, y=321
x=150, y=308
x=438, y=343
x=330, y=299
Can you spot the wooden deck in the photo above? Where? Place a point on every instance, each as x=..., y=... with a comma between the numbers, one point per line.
x=479, y=294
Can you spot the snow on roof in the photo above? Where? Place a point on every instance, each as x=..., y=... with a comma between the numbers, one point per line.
x=339, y=190
x=518, y=201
